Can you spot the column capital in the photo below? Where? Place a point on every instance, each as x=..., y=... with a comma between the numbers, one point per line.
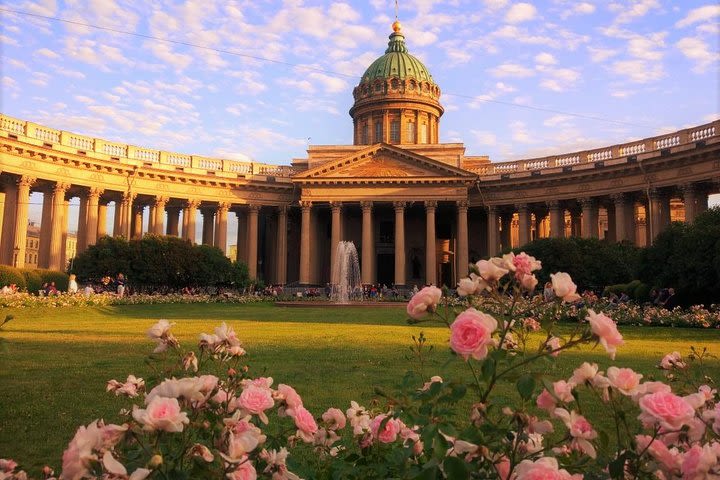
x=688, y=188
x=553, y=204
x=223, y=207
x=492, y=209
x=366, y=205
x=95, y=192
x=521, y=207
x=128, y=196
x=160, y=201
x=192, y=203
x=430, y=205
x=305, y=204
x=336, y=206
x=462, y=204
x=253, y=208
x=587, y=202
x=25, y=181
x=282, y=209
x=399, y=206
x=618, y=198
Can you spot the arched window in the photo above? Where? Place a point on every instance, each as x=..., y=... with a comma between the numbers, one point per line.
x=410, y=132
x=424, y=133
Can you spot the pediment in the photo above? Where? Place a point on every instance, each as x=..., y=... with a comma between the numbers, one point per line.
x=384, y=162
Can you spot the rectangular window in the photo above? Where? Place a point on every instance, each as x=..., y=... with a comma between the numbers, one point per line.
x=378, y=132
x=410, y=132
x=395, y=131
x=423, y=133
x=366, y=135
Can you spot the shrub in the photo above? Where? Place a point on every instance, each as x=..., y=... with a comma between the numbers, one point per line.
x=11, y=275
x=33, y=280
x=641, y=293
x=60, y=278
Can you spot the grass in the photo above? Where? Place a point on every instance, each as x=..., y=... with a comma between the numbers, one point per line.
x=54, y=363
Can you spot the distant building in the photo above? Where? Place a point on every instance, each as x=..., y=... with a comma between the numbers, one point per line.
x=32, y=248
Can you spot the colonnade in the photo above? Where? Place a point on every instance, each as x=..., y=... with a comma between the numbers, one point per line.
x=178, y=217
x=582, y=215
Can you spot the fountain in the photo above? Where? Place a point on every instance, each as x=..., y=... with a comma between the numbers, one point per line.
x=346, y=283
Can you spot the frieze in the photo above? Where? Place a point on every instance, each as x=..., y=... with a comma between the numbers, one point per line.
x=685, y=171
x=617, y=182
x=716, y=164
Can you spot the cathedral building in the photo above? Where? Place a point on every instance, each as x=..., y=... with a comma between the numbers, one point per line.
x=418, y=210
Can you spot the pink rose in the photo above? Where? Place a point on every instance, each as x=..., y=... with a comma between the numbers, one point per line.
x=624, y=379
x=552, y=346
x=388, y=434
x=243, y=438
x=244, y=471
x=546, y=401
x=290, y=397
x=545, y=468
x=424, y=301
x=667, y=409
x=564, y=287
x=659, y=451
x=334, y=418
x=584, y=373
x=580, y=429
x=161, y=414
x=490, y=271
x=605, y=329
x=256, y=400
x=672, y=360
x=525, y=264
x=471, y=334
x=697, y=462
x=305, y=423
x=467, y=286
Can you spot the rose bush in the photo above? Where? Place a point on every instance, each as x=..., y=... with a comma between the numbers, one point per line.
x=203, y=415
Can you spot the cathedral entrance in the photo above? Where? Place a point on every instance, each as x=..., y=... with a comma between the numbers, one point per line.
x=386, y=269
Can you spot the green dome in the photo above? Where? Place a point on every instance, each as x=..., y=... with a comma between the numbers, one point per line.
x=397, y=63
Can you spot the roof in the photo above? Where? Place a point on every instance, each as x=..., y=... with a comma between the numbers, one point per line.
x=397, y=63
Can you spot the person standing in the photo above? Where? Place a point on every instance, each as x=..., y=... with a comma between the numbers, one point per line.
x=120, y=283
x=72, y=284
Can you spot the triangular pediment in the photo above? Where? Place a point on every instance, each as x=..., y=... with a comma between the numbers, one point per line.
x=384, y=161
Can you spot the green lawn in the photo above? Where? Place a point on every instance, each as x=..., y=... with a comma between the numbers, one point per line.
x=54, y=363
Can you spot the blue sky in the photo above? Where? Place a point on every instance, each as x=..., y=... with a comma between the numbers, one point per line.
x=519, y=78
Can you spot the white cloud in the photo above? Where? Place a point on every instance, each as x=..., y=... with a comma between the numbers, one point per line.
x=495, y=4
x=164, y=53
x=46, y=52
x=699, y=52
x=40, y=79
x=638, y=71
x=545, y=58
x=84, y=99
x=636, y=9
x=519, y=132
x=511, y=70
x=646, y=48
x=582, y=8
x=701, y=14
x=557, y=121
x=69, y=73
x=484, y=137
x=501, y=87
x=601, y=54
x=302, y=85
x=521, y=12
x=5, y=40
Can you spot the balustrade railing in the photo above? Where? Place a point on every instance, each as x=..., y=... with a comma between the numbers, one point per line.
x=123, y=151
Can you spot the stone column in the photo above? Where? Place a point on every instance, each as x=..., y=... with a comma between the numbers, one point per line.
x=158, y=217
x=81, y=240
x=523, y=224
x=126, y=214
x=45, y=230
x=493, y=237
x=399, y=243
x=252, y=242
x=220, y=240
x=173, y=224
x=335, y=228
x=657, y=204
x=7, y=240
x=92, y=215
x=56, y=243
x=281, y=246
x=506, y=233
x=305, y=243
x=208, y=235
x=102, y=220
x=368, y=249
x=430, y=248
x=117, y=219
x=189, y=219
x=620, y=202
x=137, y=221
x=557, y=220
x=242, y=236
x=21, y=220
x=64, y=260
x=589, y=218
x=688, y=191
x=463, y=255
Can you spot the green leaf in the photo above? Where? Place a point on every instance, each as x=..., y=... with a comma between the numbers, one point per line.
x=455, y=468
x=488, y=369
x=526, y=386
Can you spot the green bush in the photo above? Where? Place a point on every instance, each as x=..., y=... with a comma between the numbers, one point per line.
x=33, y=280
x=60, y=278
x=11, y=275
x=641, y=293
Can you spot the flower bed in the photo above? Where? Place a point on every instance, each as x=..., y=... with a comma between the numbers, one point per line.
x=25, y=300
x=227, y=423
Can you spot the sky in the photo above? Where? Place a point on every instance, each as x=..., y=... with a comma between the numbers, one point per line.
x=262, y=79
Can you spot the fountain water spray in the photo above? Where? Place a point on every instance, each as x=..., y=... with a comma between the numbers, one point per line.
x=346, y=280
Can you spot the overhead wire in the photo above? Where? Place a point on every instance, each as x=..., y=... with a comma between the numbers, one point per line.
x=475, y=98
